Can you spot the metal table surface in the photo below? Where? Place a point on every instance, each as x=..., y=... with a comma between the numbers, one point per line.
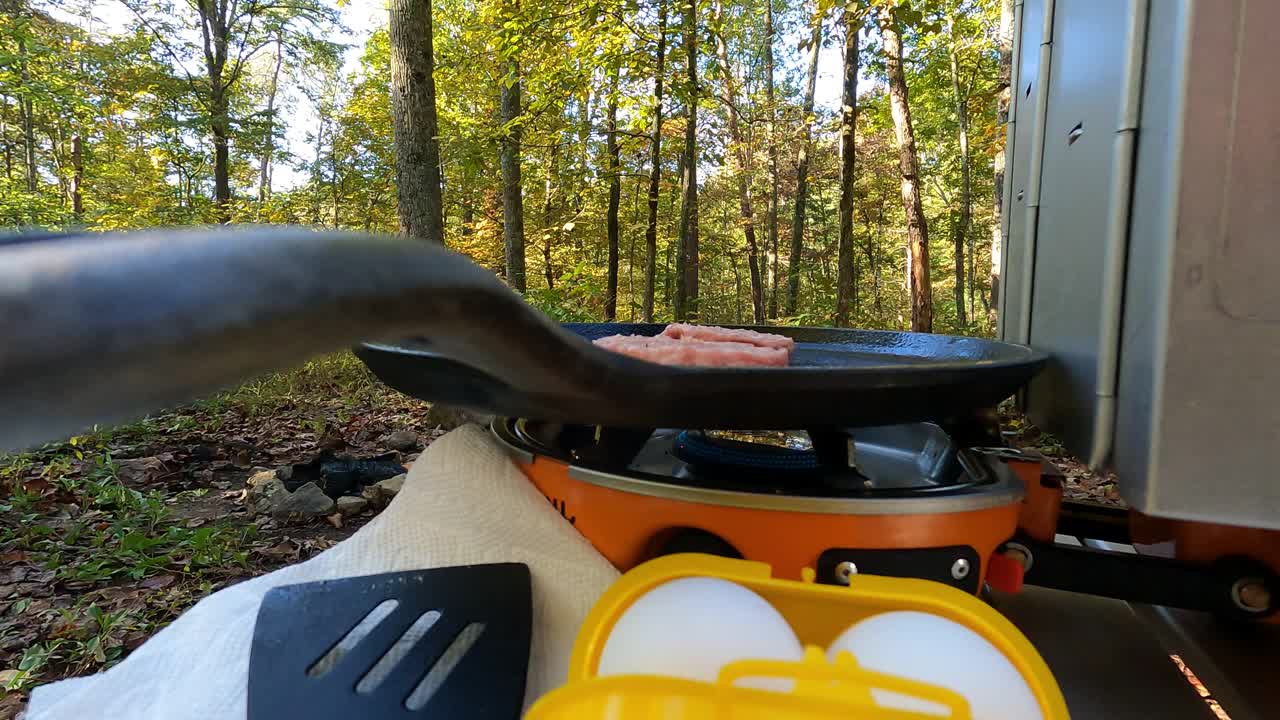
x=1112, y=659
x=1236, y=662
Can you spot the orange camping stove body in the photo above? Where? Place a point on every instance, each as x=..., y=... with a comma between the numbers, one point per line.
x=629, y=528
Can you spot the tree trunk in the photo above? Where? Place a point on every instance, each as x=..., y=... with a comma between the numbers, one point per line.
x=77, y=178
x=802, y=166
x=675, y=278
x=58, y=153
x=772, y=211
x=961, y=229
x=655, y=171
x=413, y=105
x=584, y=167
x=874, y=259
x=512, y=200
x=686, y=300
x=615, y=197
x=28, y=119
x=741, y=154
x=264, y=166
x=317, y=169
x=220, y=125
x=631, y=254
x=908, y=167
x=214, y=18
x=846, y=287
x=1002, y=120
x=737, y=289
x=4, y=137
x=468, y=218
x=333, y=186
x=548, y=229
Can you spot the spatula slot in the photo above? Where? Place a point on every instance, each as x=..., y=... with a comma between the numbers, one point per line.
x=398, y=651
x=439, y=672
x=330, y=659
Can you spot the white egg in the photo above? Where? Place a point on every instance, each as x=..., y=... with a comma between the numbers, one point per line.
x=692, y=627
x=932, y=649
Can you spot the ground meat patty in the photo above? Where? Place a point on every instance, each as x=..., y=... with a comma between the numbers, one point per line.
x=684, y=349
x=712, y=333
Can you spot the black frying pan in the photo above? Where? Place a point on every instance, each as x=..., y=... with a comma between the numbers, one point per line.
x=841, y=378
x=101, y=328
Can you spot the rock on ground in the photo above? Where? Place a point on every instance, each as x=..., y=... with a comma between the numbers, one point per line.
x=264, y=491
x=350, y=505
x=305, y=503
x=380, y=493
x=403, y=440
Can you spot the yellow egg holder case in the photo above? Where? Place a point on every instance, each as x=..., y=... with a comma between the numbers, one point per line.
x=823, y=690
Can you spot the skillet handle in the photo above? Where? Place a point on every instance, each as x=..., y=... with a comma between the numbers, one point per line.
x=101, y=328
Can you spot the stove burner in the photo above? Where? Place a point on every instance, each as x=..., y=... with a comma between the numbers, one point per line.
x=798, y=440
x=898, y=461
x=716, y=454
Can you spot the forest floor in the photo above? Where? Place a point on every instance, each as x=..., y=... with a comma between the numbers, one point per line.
x=108, y=537
x=1080, y=483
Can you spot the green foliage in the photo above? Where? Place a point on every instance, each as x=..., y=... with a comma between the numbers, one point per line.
x=108, y=533
x=120, y=532
x=340, y=375
x=139, y=101
x=578, y=296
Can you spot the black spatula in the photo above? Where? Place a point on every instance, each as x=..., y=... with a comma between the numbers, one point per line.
x=444, y=643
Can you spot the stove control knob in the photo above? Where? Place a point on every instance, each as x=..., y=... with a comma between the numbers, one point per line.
x=845, y=572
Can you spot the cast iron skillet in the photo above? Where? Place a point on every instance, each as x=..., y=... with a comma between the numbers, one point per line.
x=101, y=328
x=837, y=378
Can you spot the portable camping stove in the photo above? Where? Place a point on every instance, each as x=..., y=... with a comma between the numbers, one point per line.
x=908, y=500
x=892, y=500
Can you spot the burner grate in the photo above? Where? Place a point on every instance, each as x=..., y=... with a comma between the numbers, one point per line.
x=715, y=454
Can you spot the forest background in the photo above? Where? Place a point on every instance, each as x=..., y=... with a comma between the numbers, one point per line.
x=811, y=162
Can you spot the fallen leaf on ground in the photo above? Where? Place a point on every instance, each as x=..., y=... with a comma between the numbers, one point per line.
x=134, y=639
x=17, y=574
x=141, y=471
x=159, y=581
x=41, y=577
x=284, y=550
x=335, y=520
x=120, y=595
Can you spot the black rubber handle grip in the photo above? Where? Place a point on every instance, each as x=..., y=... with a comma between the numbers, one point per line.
x=101, y=328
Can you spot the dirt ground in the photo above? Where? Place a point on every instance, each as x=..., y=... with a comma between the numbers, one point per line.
x=108, y=537
x=1080, y=483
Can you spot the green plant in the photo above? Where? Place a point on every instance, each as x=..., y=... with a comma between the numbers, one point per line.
x=34, y=659
x=105, y=645
x=21, y=499
x=13, y=467
x=182, y=423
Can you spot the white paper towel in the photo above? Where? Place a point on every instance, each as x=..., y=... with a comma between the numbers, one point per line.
x=463, y=503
